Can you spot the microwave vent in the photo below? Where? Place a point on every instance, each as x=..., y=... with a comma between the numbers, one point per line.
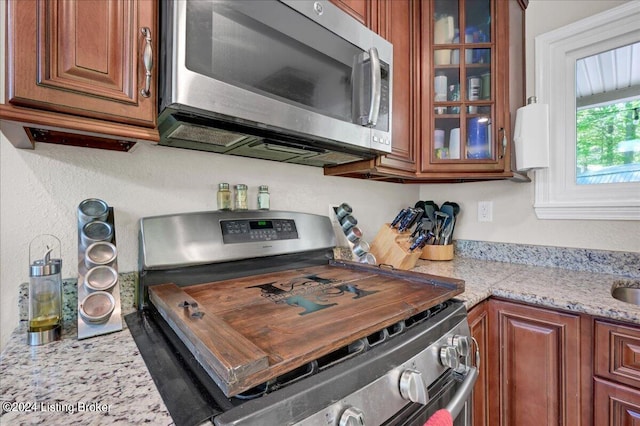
x=206, y=135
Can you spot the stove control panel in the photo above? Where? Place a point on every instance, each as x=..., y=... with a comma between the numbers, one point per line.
x=251, y=231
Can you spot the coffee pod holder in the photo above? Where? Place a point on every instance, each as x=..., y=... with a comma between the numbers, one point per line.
x=391, y=247
x=106, y=314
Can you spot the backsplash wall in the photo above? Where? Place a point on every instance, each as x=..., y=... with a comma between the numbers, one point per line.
x=41, y=189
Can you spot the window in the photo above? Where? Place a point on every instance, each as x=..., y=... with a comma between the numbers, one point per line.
x=608, y=117
x=571, y=187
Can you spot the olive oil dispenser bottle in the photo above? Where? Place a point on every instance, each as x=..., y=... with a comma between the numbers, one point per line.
x=45, y=290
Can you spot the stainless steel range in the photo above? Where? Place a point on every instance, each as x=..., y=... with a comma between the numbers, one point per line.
x=246, y=319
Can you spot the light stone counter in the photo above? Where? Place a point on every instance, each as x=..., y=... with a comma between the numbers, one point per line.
x=106, y=374
x=569, y=290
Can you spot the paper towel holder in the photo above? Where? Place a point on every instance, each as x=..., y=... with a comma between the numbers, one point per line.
x=531, y=136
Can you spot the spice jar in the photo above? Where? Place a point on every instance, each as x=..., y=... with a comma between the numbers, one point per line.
x=224, y=197
x=263, y=197
x=241, y=202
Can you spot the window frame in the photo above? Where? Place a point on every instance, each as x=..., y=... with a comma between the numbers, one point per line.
x=557, y=196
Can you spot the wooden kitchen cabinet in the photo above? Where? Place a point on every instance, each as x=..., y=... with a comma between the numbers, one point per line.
x=360, y=9
x=617, y=374
x=398, y=22
x=471, y=88
x=538, y=379
x=80, y=66
x=479, y=325
x=491, y=49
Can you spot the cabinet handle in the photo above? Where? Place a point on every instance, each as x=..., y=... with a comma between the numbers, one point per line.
x=147, y=59
x=504, y=142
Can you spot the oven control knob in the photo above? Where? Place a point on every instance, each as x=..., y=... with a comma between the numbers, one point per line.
x=449, y=357
x=352, y=417
x=462, y=344
x=412, y=387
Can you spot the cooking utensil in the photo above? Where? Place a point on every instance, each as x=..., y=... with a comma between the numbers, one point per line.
x=430, y=209
x=455, y=207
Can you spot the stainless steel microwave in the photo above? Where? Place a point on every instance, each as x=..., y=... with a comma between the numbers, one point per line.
x=286, y=80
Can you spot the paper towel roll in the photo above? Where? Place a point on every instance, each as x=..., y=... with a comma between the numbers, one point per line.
x=531, y=137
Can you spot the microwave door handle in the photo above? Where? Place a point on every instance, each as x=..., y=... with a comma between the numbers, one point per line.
x=376, y=89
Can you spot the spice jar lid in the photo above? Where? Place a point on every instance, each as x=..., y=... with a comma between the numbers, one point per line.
x=223, y=186
x=241, y=186
x=92, y=209
x=97, y=307
x=263, y=188
x=101, y=278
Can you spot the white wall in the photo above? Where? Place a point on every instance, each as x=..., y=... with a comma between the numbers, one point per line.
x=514, y=219
x=41, y=189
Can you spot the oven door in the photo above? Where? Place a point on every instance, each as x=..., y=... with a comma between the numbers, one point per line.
x=304, y=67
x=451, y=392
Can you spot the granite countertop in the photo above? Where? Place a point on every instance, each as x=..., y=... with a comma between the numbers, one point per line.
x=103, y=380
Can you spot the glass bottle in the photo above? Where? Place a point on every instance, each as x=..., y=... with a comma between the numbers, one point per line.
x=224, y=197
x=263, y=197
x=241, y=202
x=45, y=291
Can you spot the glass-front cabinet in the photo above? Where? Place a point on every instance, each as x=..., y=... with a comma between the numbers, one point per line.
x=459, y=78
x=466, y=121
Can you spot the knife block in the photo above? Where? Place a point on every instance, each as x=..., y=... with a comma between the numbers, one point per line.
x=391, y=247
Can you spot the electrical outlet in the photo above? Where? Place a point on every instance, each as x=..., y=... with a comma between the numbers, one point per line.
x=485, y=211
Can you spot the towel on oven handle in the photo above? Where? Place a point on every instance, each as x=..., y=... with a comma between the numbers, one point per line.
x=441, y=417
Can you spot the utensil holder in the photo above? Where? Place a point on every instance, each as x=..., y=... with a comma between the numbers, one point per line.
x=391, y=247
x=437, y=252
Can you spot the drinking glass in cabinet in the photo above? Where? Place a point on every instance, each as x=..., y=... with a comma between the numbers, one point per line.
x=478, y=138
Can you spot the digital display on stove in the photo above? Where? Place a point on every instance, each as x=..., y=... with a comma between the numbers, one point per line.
x=260, y=224
x=251, y=231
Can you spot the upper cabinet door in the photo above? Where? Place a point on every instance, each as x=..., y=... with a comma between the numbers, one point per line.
x=84, y=57
x=466, y=93
x=359, y=9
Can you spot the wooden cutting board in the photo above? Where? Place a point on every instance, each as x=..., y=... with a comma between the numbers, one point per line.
x=249, y=330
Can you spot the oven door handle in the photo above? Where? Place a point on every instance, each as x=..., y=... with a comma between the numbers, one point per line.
x=460, y=398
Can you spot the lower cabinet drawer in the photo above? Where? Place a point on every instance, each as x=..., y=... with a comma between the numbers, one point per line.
x=614, y=404
x=617, y=349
